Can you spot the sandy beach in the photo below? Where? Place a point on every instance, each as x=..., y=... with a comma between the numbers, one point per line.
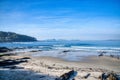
x=49, y=68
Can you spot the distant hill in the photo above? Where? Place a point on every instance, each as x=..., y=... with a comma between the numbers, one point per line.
x=13, y=37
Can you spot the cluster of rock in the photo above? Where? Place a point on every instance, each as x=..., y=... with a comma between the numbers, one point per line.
x=110, y=76
x=104, y=76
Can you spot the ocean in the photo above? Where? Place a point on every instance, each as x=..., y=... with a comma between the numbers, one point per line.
x=74, y=48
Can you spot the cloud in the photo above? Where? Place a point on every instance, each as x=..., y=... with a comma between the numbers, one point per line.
x=46, y=19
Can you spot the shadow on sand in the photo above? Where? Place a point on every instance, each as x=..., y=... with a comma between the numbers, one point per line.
x=10, y=71
x=21, y=74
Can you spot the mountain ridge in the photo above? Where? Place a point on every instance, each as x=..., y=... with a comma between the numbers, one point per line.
x=14, y=37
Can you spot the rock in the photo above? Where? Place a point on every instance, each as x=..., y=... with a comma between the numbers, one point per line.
x=68, y=76
x=104, y=76
x=5, y=49
x=87, y=76
x=26, y=58
x=11, y=62
x=118, y=76
x=34, y=51
x=66, y=51
x=6, y=54
x=110, y=76
x=50, y=67
x=114, y=76
x=101, y=54
x=111, y=55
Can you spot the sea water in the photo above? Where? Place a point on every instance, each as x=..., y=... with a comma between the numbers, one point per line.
x=67, y=49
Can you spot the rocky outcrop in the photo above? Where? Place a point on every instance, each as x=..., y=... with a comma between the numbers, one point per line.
x=13, y=37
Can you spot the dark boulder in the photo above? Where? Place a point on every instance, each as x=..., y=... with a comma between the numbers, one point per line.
x=68, y=76
x=5, y=49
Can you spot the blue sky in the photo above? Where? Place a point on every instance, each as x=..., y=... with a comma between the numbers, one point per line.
x=62, y=19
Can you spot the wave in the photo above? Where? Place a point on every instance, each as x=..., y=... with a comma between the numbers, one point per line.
x=67, y=45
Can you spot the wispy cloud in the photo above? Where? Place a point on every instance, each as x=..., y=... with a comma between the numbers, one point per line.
x=65, y=19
